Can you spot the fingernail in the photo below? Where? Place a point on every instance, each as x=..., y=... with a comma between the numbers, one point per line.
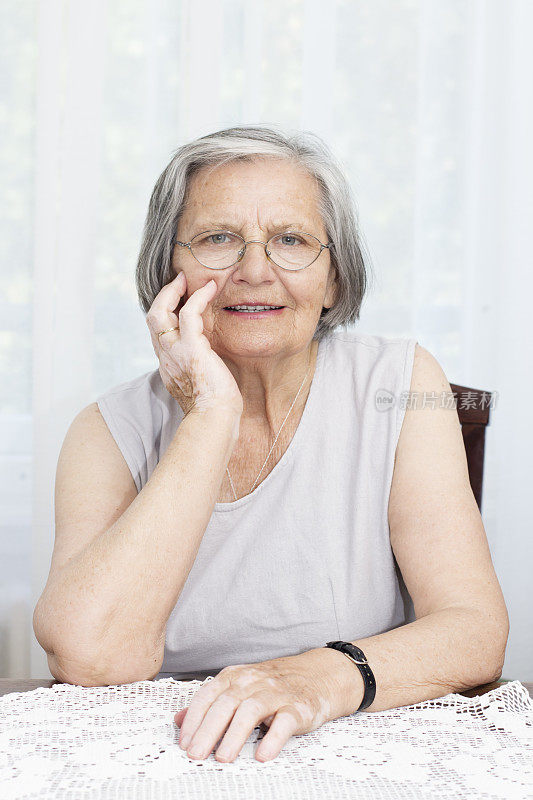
x=184, y=741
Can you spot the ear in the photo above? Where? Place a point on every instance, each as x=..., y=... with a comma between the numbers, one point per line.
x=332, y=288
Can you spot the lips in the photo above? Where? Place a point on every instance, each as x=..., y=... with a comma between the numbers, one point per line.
x=232, y=305
x=257, y=314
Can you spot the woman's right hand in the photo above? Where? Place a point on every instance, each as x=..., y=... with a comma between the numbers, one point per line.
x=190, y=369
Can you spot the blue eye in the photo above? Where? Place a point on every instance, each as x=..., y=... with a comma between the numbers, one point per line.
x=282, y=239
x=215, y=235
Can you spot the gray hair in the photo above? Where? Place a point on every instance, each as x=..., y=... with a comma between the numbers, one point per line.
x=336, y=206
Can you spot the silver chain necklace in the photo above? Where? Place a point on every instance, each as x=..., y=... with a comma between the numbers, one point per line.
x=275, y=440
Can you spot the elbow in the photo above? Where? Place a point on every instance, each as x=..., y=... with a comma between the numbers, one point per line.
x=501, y=652
x=484, y=633
x=73, y=673
x=64, y=668
x=83, y=663
x=79, y=673
x=41, y=627
x=495, y=643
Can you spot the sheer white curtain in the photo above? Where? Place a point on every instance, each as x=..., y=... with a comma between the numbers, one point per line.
x=429, y=105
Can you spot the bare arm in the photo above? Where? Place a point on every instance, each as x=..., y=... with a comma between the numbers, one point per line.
x=446, y=651
x=121, y=559
x=459, y=637
x=104, y=613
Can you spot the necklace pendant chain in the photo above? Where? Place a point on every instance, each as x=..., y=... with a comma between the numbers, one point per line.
x=275, y=440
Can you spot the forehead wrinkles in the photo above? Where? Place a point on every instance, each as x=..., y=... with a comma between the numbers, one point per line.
x=259, y=201
x=257, y=215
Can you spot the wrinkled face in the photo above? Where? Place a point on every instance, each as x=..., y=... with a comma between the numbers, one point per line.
x=257, y=200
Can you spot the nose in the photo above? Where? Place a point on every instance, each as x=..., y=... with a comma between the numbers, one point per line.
x=247, y=259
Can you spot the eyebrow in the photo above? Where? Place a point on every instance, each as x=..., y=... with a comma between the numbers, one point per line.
x=230, y=226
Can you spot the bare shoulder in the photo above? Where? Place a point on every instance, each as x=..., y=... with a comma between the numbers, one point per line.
x=89, y=435
x=430, y=422
x=428, y=374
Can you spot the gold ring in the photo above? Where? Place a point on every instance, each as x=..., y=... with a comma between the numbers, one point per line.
x=170, y=329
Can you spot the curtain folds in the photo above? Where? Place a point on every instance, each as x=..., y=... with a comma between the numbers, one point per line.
x=427, y=103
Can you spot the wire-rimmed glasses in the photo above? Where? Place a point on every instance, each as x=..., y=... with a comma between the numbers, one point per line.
x=220, y=249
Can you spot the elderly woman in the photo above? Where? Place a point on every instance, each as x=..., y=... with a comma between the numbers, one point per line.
x=267, y=507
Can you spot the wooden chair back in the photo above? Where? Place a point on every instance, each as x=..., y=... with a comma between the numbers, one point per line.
x=473, y=410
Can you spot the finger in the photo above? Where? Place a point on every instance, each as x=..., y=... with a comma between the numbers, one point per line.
x=190, y=316
x=179, y=716
x=247, y=716
x=161, y=315
x=202, y=700
x=213, y=725
x=284, y=725
x=169, y=296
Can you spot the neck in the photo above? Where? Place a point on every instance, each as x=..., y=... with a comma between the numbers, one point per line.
x=269, y=385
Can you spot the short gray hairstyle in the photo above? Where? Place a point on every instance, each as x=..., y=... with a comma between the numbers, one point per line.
x=336, y=206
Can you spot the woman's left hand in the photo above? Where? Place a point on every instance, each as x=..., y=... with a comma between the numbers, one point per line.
x=290, y=695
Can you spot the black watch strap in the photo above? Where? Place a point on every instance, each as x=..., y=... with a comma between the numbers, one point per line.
x=356, y=656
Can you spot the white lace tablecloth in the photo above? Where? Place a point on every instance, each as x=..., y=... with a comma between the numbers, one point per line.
x=122, y=742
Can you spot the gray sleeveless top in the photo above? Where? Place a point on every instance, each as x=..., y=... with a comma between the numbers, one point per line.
x=306, y=557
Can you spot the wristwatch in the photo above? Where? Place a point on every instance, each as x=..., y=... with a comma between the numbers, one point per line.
x=356, y=655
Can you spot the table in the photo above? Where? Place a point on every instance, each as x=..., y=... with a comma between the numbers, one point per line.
x=8, y=685
x=422, y=751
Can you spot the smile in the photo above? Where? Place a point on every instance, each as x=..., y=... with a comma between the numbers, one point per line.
x=254, y=311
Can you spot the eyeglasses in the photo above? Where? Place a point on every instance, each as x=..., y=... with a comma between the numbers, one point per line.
x=222, y=249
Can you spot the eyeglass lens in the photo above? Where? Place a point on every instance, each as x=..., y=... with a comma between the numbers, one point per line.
x=221, y=249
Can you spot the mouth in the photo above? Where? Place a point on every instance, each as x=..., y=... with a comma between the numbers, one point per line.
x=258, y=312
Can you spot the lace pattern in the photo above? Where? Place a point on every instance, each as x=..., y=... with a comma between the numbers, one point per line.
x=122, y=742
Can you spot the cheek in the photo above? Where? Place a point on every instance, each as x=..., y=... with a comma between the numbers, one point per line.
x=313, y=295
